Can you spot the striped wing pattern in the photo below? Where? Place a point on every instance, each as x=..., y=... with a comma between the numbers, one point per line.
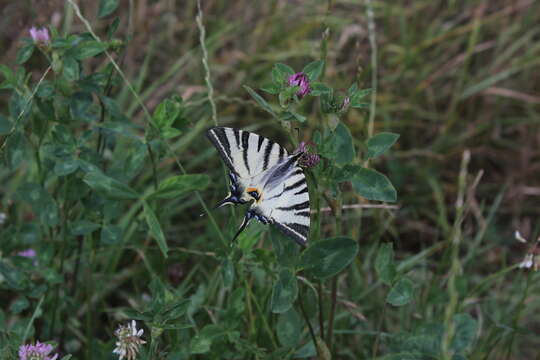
x=245, y=153
x=263, y=164
x=289, y=208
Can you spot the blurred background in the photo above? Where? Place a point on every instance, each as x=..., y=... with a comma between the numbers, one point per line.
x=451, y=76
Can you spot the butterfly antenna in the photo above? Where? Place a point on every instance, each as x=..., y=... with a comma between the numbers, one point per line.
x=245, y=223
x=227, y=200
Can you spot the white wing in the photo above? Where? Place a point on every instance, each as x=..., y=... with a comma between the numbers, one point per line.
x=287, y=204
x=246, y=154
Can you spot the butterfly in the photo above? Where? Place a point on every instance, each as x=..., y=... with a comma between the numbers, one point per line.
x=262, y=173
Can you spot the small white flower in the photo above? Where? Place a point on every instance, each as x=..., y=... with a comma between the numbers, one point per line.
x=3, y=218
x=532, y=258
x=129, y=341
x=519, y=238
x=527, y=262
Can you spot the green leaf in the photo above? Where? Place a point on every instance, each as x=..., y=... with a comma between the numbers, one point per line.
x=41, y=201
x=89, y=48
x=111, y=234
x=306, y=351
x=5, y=125
x=202, y=342
x=63, y=168
x=280, y=73
x=344, y=145
x=24, y=53
x=379, y=143
x=19, y=305
x=318, y=89
x=80, y=106
x=155, y=228
x=227, y=272
x=328, y=257
x=465, y=332
x=165, y=113
x=314, y=69
x=284, y=292
x=384, y=263
x=273, y=89
x=16, y=149
x=258, y=98
x=357, y=96
x=108, y=186
x=178, y=185
x=289, y=328
x=83, y=227
x=373, y=185
x=401, y=293
x=286, y=250
x=107, y=7
x=70, y=69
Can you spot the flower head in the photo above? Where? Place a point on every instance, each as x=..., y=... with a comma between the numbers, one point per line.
x=40, y=36
x=129, y=341
x=300, y=79
x=309, y=159
x=532, y=258
x=3, y=218
x=28, y=253
x=39, y=351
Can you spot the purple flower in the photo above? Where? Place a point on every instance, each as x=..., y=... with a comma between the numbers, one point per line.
x=40, y=36
x=28, y=253
x=39, y=351
x=309, y=159
x=300, y=79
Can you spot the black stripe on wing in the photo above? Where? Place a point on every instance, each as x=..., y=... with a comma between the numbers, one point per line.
x=296, y=231
x=267, y=152
x=300, y=206
x=245, y=146
x=218, y=137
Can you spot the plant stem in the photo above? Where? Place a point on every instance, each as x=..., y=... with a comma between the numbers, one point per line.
x=333, y=297
x=310, y=327
x=152, y=159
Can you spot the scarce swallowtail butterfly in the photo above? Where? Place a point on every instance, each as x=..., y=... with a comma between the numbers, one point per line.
x=263, y=174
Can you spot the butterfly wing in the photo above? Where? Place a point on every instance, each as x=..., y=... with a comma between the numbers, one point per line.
x=286, y=202
x=246, y=154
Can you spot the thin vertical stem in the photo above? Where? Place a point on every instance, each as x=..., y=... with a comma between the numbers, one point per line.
x=333, y=296
x=202, y=36
x=373, y=44
x=310, y=327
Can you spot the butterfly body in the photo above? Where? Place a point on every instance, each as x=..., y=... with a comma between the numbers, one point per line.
x=263, y=174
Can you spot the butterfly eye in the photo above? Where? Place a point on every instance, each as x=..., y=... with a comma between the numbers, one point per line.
x=254, y=194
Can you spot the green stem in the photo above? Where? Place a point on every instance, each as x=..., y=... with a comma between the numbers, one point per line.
x=333, y=297
x=153, y=161
x=310, y=327
x=263, y=318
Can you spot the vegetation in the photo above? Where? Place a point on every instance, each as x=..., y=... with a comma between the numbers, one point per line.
x=421, y=119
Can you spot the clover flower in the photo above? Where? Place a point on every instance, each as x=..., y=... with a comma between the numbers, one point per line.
x=532, y=258
x=40, y=36
x=28, y=253
x=309, y=159
x=300, y=79
x=129, y=341
x=39, y=351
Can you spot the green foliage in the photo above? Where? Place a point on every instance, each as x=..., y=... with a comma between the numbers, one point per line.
x=384, y=263
x=328, y=257
x=109, y=198
x=379, y=143
x=284, y=292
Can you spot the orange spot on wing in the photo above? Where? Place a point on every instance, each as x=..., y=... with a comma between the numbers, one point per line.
x=252, y=189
